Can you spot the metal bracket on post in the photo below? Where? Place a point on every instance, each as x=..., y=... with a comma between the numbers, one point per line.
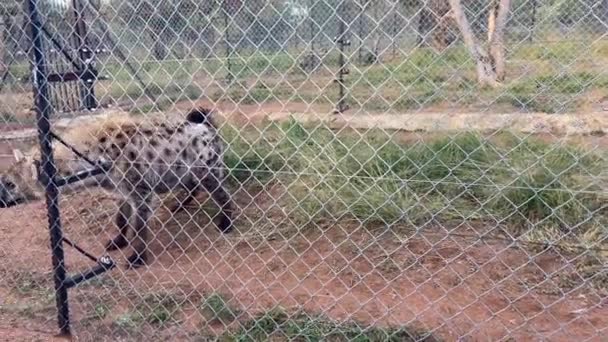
x=104, y=263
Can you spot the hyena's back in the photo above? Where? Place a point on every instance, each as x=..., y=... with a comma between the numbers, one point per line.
x=160, y=155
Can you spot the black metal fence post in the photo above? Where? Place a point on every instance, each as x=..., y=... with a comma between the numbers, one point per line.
x=47, y=176
x=343, y=43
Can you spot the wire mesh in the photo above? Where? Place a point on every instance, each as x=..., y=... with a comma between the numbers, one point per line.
x=346, y=170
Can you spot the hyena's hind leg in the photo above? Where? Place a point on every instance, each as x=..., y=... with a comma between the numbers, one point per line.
x=185, y=198
x=143, y=211
x=125, y=211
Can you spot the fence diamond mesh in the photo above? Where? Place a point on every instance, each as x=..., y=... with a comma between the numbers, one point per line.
x=304, y=170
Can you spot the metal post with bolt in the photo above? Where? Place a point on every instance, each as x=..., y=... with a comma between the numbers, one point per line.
x=48, y=172
x=47, y=176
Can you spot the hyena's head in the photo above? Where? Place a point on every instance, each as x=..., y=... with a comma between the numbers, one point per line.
x=19, y=183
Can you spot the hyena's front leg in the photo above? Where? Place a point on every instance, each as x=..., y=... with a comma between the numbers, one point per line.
x=143, y=211
x=223, y=201
x=122, y=223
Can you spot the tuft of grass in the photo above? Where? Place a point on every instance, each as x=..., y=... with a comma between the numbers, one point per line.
x=216, y=308
x=162, y=309
x=155, y=309
x=551, y=93
x=129, y=320
x=34, y=294
x=531, y=103
x=253, y=155
x=259, y=93
x=31, y=283
x=101, y=311
x=278, y=325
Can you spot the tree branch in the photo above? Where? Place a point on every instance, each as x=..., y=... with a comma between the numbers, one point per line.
x=485, y=72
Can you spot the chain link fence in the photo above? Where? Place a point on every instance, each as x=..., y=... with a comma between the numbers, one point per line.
x=378, y=170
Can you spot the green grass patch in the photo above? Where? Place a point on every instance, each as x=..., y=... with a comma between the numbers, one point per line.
x=254, y=155
x=216, y=308
x=277, y=325
x=547, y=192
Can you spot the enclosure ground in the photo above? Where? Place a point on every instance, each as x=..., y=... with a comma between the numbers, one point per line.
x=452, y=286
x=440, y=278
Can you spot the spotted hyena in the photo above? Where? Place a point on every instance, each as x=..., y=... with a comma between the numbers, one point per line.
x=147, y=158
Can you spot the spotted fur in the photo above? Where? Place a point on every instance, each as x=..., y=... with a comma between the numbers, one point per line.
x=146, y=158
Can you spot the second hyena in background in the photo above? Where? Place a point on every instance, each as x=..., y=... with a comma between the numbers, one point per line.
x=147, y=157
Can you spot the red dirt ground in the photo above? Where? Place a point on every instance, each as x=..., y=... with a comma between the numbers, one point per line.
x=454, y=285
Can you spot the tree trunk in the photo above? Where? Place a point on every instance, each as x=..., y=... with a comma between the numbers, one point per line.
x=360, y=37
x=424, y=18
x=376, y=47
x=492, y=20
x=440, y=25
x=496, y=37
x=311, y=25
x=159, y=51
x=485, y=72
x=603, y=15
x=155, y=31
x=395, y=30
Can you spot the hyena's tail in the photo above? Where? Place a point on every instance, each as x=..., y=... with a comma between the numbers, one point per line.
x=198, y=115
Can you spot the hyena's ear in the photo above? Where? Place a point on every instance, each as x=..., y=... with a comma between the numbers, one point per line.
x=19, y=156
x=34, y=169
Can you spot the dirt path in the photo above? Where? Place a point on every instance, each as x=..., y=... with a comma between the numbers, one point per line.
x=591, y=123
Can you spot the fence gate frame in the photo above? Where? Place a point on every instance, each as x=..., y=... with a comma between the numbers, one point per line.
x=47, y=175
x=75, y=60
